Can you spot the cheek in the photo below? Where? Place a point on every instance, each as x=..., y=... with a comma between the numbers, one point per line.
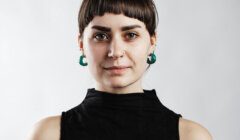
x=140, y=52
x=139, y=59
x=140, y=56
x=95, y=52
x=95, y=59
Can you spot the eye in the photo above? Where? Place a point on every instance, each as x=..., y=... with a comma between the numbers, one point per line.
x=131, y=35
x=101, y=37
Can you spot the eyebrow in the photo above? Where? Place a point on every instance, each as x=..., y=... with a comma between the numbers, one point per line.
x=107, y=29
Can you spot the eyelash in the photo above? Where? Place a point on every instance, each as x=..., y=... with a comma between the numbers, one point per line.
x=107, y=36
x=97, y=34
x=132, y=33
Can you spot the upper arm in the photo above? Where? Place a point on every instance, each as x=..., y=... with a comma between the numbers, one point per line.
x=46, y=129
x=190, y=130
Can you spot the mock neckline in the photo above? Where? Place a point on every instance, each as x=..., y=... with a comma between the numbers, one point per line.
x=148, y=98
x=92, y=92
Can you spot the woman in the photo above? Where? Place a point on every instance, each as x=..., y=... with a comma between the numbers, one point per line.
x=117, y=39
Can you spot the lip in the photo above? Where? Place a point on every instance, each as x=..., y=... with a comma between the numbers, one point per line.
x=116, y=67
x=117, y=70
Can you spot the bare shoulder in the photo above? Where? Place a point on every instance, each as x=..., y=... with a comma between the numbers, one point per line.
x=190, y=130
x=46, y=129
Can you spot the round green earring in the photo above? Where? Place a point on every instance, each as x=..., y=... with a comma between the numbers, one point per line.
x=81, y=61
x=153, y=58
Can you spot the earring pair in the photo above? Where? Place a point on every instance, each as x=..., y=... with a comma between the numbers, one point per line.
x=150, y=60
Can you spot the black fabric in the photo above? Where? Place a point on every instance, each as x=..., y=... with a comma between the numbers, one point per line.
x=108, y=116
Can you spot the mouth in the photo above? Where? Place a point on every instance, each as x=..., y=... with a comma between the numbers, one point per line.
x=117, y=70
x=116, y=67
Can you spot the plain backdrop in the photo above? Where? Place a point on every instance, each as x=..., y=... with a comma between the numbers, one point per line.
x=196, y=73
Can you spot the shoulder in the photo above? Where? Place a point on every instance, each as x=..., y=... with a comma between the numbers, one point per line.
x=190, y=130
x=46, y=128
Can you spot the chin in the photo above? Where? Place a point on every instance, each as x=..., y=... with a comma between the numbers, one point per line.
x=117, y=82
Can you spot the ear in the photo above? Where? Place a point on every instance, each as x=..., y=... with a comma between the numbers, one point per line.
x=153, y=40
x=80, y=43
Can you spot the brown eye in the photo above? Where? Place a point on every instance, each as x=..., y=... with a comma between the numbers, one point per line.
x=131, y=36
x=101, y=37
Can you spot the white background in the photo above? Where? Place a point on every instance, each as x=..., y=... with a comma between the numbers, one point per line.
x=196, y=73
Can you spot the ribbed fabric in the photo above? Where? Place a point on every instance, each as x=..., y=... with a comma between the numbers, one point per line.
x=108, y=116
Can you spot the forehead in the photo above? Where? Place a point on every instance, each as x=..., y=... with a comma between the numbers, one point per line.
x=115, y=21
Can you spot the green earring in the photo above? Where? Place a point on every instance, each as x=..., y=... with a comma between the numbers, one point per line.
x=81, y=61
x=153, y=58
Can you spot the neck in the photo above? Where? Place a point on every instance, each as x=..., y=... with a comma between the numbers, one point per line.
x=121, y=89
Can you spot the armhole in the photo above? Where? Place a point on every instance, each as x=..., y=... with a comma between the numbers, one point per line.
x=62, y=126
x=175, y=118
x=178, y=129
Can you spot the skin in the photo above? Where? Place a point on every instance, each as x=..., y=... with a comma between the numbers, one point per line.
x=129, y=47
x=116, y=47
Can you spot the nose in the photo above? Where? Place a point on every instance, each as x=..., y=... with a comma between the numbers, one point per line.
x=116, y=49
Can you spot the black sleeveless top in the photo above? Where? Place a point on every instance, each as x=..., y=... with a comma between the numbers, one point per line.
x=109, y=116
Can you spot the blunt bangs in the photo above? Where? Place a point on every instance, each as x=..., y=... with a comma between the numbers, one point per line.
x=143, y=10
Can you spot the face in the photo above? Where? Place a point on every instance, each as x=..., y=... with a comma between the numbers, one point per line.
x=117, y=41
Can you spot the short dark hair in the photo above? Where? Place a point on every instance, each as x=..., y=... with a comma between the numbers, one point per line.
x=143, y=10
